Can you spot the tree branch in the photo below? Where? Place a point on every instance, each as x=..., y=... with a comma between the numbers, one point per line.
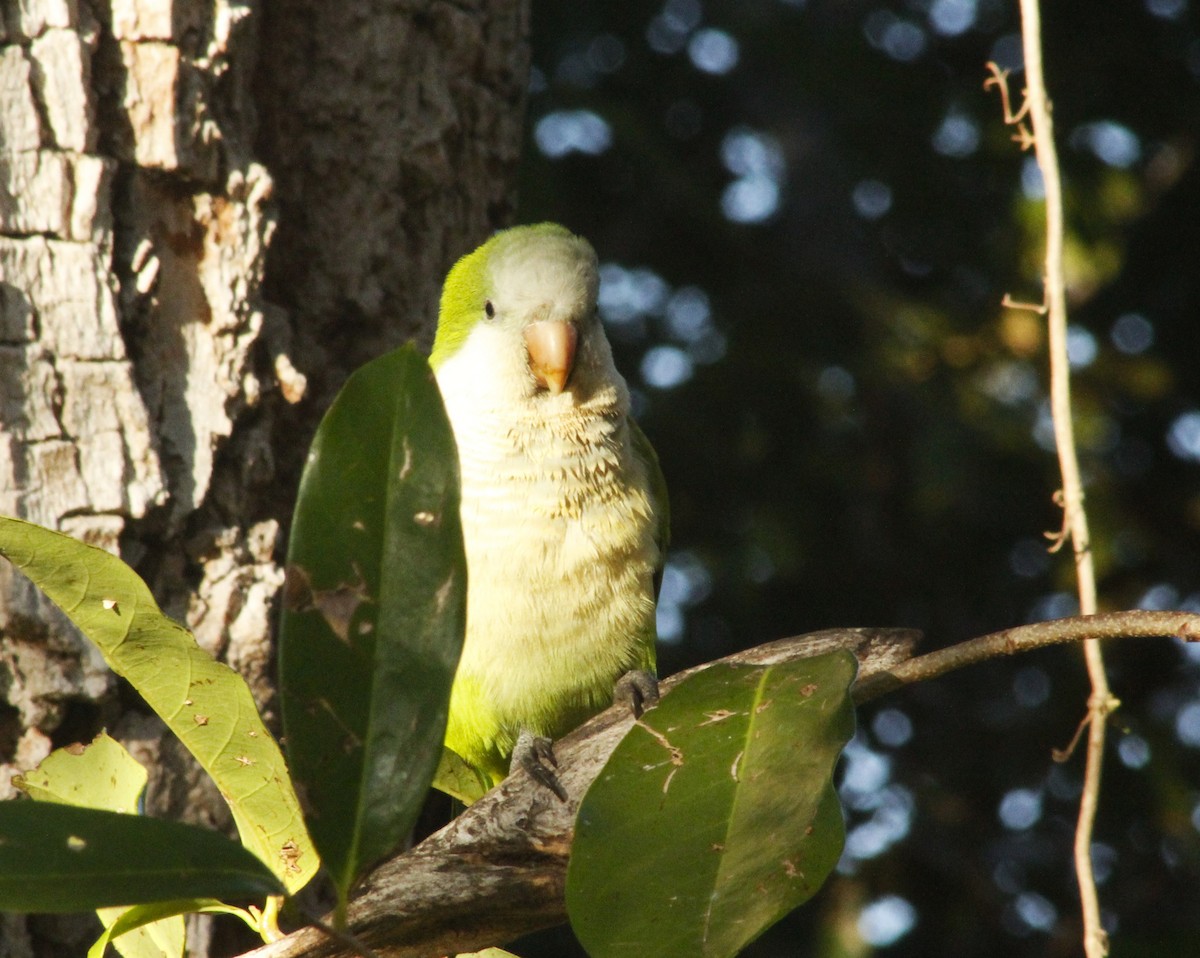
x=1025, y=638
x=498, y=870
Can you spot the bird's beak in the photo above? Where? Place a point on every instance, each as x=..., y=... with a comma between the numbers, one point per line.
x=551, y=344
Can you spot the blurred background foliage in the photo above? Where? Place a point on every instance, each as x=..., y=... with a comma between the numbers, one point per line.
x=808, y=214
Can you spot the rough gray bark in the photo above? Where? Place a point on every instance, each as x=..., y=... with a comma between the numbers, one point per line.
x=210, y=212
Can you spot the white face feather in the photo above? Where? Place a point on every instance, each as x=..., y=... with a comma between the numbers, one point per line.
x=543, y=277
x=531, y=279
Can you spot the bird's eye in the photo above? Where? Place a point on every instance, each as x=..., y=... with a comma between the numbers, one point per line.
x=489, y=310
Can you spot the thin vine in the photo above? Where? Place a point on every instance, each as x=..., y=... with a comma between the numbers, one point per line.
x=1034, y=128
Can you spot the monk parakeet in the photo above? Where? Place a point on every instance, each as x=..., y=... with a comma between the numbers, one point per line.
x=564, y=510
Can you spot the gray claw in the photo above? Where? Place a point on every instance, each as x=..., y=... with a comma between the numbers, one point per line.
x=535, y=754
x=638, y=689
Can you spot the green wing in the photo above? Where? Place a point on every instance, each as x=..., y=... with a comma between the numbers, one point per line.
x=658, y=496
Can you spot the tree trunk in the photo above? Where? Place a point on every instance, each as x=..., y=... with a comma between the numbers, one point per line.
x=210, y=213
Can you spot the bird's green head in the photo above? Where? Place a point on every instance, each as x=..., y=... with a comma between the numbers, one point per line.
x=526, y=302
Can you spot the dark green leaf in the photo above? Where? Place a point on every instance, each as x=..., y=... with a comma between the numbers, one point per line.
x=61, y=858
x=203, y=701
x=716, y=815
x=104, y=775
x=374, y=611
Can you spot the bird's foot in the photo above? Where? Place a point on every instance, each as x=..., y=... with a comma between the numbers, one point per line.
x=535, y=754
x=638, y=689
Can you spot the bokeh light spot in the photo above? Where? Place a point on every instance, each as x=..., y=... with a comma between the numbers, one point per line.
x=1183, y=436
x=1187, y=725
x=1031, y=686
x=892, y=727
x=563, y=132
x=1035, y=911
x=666, y=367
x=872, y=199
x=1134, y=751
x=1020, y=808
x=1132, y=334
x=886, y=920
x=950, y=18
x=713, y=51
x=957, y=136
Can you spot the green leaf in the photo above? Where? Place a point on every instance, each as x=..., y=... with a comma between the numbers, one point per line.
x=144, y=931
x=148, y=931
x=374, y=611
x=61, y=858
x=459, y=780
x=203, y=701
x=104, y=775
x=716, y=815
x=100, y=775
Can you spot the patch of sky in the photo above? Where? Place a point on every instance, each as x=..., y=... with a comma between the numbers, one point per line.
x=1032, y=185
x=957, y=136
x=713, y=51
x=562, y=132
x=886, y=920
x=892, y=727
x=756, y=159
x=1012, y=382
x=1055, y=605
x=1043, y=428
x=1082, y=348
x=688, y=314
x=872, y=199
x=900, y=39
x=688, y=320
x=1160, y=597
x=629, y=294
x=1187, y=725
x=836, y=384
x=1008, y=53
x=1020, y=808
x=1132, y=334
x=1031, y=687
x=1104, y=860
x=951, y=18
x=890, y=822
x=665, y=367
x=866, y=789
x=1134, y=751
x=1113, y=143
x=1167, y=9
x=1183, y=436
x=864, y=774
x=668, y=31
x=629, y=297
x=1035, y=911
x=686, y=583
